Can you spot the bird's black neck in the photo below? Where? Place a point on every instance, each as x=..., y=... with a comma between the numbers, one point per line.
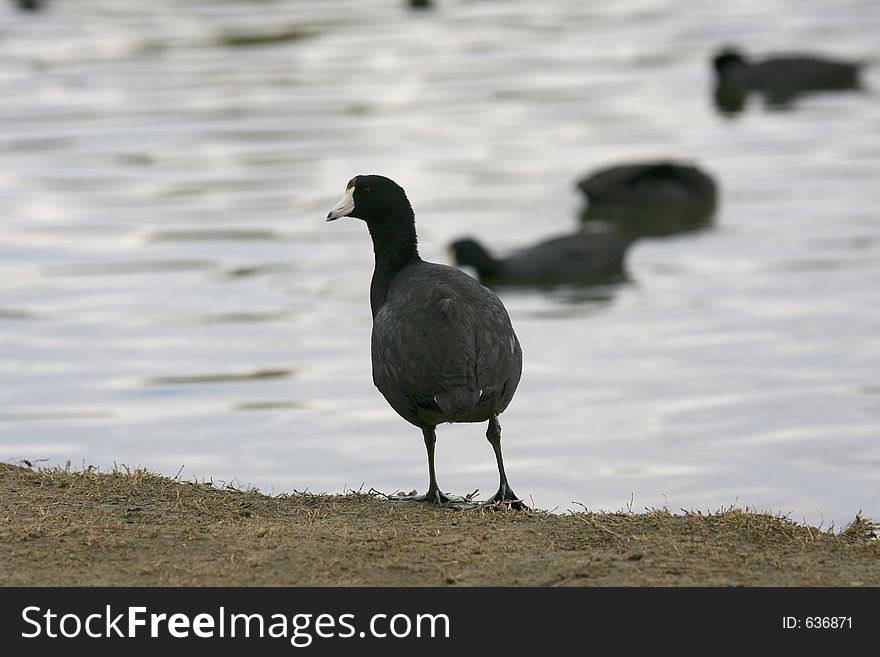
x=395, y=246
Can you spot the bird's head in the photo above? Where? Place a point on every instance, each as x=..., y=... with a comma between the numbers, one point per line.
x=371, y=198
x=470, y=253
x=727, y=59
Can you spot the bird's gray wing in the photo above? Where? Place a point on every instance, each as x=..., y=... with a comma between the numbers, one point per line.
x=424, y=349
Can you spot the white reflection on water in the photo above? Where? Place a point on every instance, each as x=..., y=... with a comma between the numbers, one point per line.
x=165, y=171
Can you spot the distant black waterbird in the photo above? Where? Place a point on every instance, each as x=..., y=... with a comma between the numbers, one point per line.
x=583, y=257
x=650, y=198
x=779, y=79
x=443, y=348
x=31, y=5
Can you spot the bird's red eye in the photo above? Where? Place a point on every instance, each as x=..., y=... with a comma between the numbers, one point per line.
x=367, y=190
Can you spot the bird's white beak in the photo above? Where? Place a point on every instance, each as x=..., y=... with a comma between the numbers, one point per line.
x=344, y=207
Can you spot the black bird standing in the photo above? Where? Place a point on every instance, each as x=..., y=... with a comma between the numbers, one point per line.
x=443, y=348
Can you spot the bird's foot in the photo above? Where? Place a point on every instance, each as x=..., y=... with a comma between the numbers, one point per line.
x=439, y=498
x=505, y=498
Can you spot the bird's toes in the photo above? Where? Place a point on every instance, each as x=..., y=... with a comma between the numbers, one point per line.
x=506, y=499
x=505, y=505
x=437, y=498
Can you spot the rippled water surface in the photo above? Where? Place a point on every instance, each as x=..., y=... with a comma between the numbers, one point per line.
x=170, y=294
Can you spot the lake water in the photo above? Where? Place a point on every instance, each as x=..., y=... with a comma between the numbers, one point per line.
x=171, y=297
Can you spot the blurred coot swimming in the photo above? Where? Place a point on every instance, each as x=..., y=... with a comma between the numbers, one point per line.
x=650, y=198
x=779, y=79
x=580, y=258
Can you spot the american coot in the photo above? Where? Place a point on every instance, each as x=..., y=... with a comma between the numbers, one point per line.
x=30, y=5
x=443, y=348
x=779, y=79
x=650, y=198
x=584, y=257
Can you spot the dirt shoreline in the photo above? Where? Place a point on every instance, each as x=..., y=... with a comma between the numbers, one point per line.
x=62, y=528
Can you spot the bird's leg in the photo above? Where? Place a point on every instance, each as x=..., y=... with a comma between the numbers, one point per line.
x=505, y=493
x=434, y=494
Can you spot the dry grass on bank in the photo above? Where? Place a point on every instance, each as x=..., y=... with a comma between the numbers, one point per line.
x=126, y=528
